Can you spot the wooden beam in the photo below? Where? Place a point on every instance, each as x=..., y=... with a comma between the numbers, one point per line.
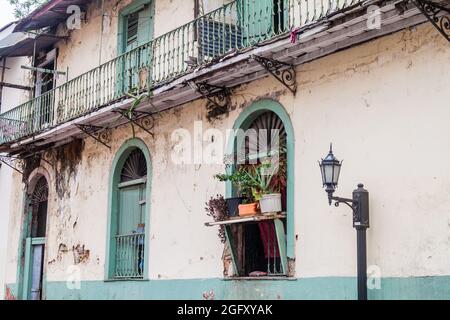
x=15, y=86
x=246, y=219
x=42, y=70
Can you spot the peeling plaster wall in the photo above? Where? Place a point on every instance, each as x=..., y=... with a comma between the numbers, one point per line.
x=382, y=104
x=10, y=99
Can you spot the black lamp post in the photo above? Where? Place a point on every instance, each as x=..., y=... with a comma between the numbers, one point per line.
x=330, y=168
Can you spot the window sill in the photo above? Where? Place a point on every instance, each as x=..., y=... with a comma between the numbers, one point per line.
x=273, y=278
x=126, y=280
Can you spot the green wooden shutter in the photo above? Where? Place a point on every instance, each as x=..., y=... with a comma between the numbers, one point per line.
x=145, y=52
x=137, y=30
x=144, y=26
x=260, y=19
x=131, y=208
x=131, y=32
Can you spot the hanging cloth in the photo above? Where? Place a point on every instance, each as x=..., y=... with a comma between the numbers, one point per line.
x=269, y=239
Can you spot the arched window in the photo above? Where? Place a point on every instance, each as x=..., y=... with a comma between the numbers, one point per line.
x=39, y=200
x=132, y=201
x=264, y=134
x=129, y=195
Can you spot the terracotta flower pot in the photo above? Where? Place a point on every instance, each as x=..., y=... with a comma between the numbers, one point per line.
x=248, y=210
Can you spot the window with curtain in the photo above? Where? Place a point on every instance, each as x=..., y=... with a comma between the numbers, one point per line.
x=260, y=247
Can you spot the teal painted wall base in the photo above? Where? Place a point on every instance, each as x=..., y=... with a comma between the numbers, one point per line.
x=328, y=288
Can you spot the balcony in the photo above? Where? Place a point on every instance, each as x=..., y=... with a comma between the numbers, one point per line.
x=166, y=63
x=129, y=258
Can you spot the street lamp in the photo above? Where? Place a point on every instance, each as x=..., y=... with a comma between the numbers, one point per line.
x=330, y=168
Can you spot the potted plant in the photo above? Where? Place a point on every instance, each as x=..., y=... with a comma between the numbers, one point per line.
x=232, y=202
x=245, y=203
x=271, y=199
x=268, y=178
x=217, y=208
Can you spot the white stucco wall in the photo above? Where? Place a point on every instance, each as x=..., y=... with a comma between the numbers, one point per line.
x=383, y=106
x=10, y=98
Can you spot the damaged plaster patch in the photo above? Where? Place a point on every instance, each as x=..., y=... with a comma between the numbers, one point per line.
x=62, y=250
x=291, y=267
x=80, y=254
x=227, y=261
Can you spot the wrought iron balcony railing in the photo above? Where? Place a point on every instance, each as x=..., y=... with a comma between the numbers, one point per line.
x=129, y=262
x=235, y=26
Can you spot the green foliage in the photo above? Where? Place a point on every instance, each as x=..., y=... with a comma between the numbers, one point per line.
x=137, y=100
x=22, y=8
x=255, y=180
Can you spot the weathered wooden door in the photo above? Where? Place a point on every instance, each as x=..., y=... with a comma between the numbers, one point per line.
x=131, y=230
x=136, y=49
x=131, y=207
x=36, y=265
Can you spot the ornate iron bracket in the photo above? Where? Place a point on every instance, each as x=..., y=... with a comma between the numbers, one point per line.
x=349, y=202
x=13, y=162
x=218, y=98
x=97, y=133
x=143, y=120
x=283, y=72
x=437, y=14
x=352, y=204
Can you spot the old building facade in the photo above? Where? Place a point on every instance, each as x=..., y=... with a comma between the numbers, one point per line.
x=116, y=153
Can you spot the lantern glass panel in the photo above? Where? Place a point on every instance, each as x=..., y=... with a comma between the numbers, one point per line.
x=328, y=173
x=337, y=170
x=322, y=171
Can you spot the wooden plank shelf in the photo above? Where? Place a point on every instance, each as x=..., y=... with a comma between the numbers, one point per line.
x=247, y=219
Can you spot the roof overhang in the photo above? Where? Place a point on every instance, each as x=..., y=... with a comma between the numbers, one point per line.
x=49, y=15
x=17, y=44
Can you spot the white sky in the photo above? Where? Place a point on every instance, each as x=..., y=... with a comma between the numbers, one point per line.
x=6, y=13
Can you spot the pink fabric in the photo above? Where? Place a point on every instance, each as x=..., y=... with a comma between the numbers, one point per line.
x=294, y=35
x=268, y=238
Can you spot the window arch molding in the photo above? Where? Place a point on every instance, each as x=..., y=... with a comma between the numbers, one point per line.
x=113, y=210
x=244, y=120
x=34, y=177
